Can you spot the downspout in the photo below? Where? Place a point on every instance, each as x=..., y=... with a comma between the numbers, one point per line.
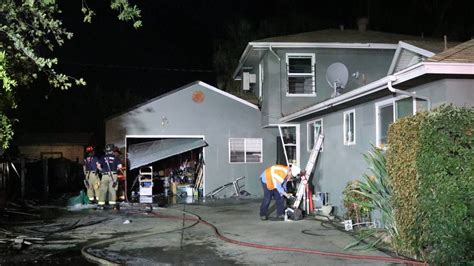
x=393, y=78
x=273, y=52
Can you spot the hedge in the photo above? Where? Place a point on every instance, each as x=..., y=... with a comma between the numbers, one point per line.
x=446, y=167
x=403, y=143
x=431, y=162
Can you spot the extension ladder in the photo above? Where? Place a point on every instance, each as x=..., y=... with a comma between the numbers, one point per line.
x=301, y=192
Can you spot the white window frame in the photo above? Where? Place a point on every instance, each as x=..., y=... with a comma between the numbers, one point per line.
x=384, y=103
x=378, y=106
x=346, y=141
x=260, y=80
x=309, y=148
x=312, y=74
x=297, y=145
x=245, y=151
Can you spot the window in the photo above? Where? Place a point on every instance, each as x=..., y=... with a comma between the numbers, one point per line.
x=390, y=110
x=349, y=128
x=300, y=74
x=243, y=150
x=403, y=107
x=314, y=129
x=289, y=135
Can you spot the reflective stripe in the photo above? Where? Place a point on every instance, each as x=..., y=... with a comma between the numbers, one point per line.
x=275, y=175
x=101, y=203
x=91, y=198
x=111, y=202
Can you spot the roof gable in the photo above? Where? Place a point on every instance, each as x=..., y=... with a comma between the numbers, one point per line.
x=203, y=84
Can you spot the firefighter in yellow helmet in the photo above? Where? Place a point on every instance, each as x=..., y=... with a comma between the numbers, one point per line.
x=91, y=181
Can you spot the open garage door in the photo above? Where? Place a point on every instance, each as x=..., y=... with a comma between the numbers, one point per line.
x=174, y=163
x=151, y=151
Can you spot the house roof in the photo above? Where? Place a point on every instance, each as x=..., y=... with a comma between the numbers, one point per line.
x=54, y=139
x=434, y=46
x=203, y=84
x=341, y=36
x=462, y=53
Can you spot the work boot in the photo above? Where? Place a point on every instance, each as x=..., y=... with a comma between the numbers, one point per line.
x=263, y=218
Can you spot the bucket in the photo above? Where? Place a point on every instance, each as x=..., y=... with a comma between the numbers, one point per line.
x=189, y=191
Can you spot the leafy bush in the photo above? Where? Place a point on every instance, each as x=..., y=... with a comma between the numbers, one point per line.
x=354, y=210
x=403, y=143
x=431, y=163
x=376, y=192
x=446, y=169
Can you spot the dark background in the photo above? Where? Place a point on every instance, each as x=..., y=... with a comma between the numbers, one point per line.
x=175, y=46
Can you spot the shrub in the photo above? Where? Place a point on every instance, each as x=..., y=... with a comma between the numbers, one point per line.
x=403, y=143
x=352, y=203
x=375, y=191
x=431, y=164
x=445, y=165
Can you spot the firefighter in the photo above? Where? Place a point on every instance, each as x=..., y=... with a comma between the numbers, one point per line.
x=273, y=181
x=109, y=165
x=92, y=181
x=120, y=176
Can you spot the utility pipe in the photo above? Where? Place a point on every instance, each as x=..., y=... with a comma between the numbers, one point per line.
x=393, y=78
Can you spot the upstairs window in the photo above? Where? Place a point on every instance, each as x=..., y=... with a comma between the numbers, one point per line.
x=300, y=75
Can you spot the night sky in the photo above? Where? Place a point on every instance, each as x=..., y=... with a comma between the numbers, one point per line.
x=124, y=66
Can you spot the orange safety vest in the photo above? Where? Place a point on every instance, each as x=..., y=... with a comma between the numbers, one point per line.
x=275, y=174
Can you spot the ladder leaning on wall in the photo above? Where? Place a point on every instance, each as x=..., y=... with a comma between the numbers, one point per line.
x=301, y=193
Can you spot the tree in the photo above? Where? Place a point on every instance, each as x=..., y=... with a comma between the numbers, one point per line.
x=29, y=33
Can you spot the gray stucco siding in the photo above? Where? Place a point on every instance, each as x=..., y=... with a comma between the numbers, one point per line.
x=370, y=64
x=217, y=118
x=339, y=164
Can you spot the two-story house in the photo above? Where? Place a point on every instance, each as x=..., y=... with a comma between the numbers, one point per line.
x=349, y=86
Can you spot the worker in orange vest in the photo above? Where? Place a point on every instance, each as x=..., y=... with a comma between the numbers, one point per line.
x=274, y=180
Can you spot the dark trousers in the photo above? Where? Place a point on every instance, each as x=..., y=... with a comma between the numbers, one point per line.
x=267, y=198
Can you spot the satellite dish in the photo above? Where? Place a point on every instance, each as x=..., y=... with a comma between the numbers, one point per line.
x=337, y=76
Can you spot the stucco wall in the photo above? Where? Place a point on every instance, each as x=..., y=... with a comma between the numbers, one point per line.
x=339, y=164
x=217, y=118
x=370, y=64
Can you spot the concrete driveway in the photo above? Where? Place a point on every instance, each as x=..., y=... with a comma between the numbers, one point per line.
x=173, y=236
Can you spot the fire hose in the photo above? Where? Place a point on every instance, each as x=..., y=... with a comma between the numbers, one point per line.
x=197, y=219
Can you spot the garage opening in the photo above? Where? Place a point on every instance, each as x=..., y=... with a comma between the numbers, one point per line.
x=165, y=169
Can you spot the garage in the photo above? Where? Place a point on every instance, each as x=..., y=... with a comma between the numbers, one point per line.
x=197, y=122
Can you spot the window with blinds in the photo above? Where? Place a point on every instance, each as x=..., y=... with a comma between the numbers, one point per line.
x=245, y=150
